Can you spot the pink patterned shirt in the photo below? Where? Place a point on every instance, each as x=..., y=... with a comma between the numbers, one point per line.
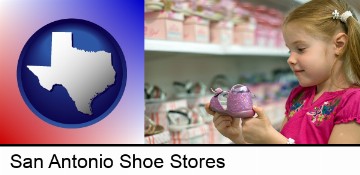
x=312, y=122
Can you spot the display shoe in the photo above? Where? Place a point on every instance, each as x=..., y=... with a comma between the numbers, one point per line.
x=153, y=7
x=154, y=93
x=221, y=81
x=207, y=118
x=151, y=128
x=189, y=89
x=182, y=118
x=182, y=7
x=238, y=102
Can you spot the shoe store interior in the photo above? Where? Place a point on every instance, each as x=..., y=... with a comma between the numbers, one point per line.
x=193, y=48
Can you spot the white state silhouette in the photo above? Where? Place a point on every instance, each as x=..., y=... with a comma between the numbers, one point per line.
x=84, y=74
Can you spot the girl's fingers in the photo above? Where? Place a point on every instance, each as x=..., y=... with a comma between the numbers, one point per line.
x=218, y=118
x=208, y=110
x=222, y=122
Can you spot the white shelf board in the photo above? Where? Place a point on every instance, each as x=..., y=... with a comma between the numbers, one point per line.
x=256, y=50
x=302, y=1
x=205, y=48
x=182, y=46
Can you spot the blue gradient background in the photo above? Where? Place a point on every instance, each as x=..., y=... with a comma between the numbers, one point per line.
x=22, y=18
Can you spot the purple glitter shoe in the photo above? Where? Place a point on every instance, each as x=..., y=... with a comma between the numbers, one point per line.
x=238, y=102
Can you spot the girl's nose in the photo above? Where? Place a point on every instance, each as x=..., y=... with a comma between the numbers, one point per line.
x=291, y=60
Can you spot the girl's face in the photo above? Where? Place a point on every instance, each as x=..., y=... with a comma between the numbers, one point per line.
x=311, y=59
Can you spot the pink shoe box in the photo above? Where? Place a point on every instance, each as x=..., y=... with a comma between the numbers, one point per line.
x=279, y=40
x=195, y=135
x=221, y=32
x=280, y=43
x=261, y=33
x=158, y=111
x=165, y=25
x=272, y=33
x=244, y=33
x=263, y=26
x=161, y=138
x=196, y=29
x=244, y=26
x=275, y=19
x=272, y=42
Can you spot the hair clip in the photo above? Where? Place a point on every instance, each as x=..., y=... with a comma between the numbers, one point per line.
x=343, y=17
x=335, y=14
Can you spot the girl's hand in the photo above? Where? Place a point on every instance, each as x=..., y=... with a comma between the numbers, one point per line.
x=228, y=126
x=257, y=129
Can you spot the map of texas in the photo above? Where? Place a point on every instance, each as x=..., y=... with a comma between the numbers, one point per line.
x=84, y=74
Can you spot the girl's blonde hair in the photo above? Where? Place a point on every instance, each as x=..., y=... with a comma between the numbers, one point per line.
x=316, y=15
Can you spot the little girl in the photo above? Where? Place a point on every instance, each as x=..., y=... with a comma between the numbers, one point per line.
x=323, y=37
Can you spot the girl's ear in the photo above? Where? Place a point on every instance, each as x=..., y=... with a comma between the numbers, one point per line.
x=340, y=41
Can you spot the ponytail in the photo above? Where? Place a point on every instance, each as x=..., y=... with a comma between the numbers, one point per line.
x=352, y=51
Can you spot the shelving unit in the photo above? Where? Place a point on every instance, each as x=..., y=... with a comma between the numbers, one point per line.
x=167, y=61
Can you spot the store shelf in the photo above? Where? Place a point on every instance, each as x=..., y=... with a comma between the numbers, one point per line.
x=301, y=1
x=216, y=49
x=259, y=51
x=181, y=46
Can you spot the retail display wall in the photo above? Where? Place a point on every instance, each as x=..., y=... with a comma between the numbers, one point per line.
x=193, y=46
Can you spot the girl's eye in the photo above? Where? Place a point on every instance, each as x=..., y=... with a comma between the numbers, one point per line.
x=301, y=49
